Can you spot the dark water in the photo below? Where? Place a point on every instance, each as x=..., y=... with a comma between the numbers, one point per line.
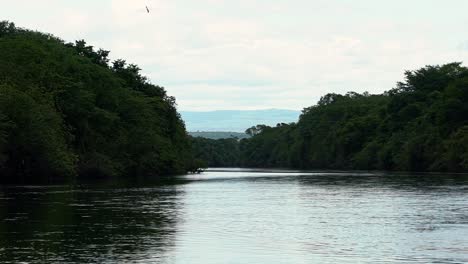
x=238, y=216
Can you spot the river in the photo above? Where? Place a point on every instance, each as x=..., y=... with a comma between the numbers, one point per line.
x=241, y=216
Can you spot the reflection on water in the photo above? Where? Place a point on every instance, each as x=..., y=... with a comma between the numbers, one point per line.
x=242, y=216
x=56, y=224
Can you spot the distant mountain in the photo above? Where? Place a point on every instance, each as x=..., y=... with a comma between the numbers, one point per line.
x=236, y=120
x=218, y=134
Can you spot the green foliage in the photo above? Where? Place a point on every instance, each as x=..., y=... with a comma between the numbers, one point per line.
x=37, y=139
x=269, y=147
x=198, y=166
x=64, y=111
x=420, y=125
x=456, y=150
x=4, y=129
x=216, y=152
x=255, y=130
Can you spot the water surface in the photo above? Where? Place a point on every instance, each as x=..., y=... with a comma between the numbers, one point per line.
x=241, y=216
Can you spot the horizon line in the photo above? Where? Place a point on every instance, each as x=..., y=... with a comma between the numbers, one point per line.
x=241, y=110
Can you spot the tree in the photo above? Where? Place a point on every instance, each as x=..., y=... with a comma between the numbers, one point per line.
x=65, y=112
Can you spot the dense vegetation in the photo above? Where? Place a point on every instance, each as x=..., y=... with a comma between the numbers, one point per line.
x=66, y=111
x=421, y=125
x=216, y=152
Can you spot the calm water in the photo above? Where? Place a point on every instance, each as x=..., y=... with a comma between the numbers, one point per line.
x=241, y=216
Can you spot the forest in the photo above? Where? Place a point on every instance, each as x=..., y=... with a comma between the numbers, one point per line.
x=420, y=125
x=222, y=152
x=67, y=111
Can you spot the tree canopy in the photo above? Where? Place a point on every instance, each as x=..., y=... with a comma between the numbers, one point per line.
x=67, y=111
x=421, y=125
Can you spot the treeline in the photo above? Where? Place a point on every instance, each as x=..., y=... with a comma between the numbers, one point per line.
x=67, y=111
x=421, y=125
x=222, y=152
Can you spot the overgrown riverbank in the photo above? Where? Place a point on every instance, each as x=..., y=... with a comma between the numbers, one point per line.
x=67, y=111
x=421, y=125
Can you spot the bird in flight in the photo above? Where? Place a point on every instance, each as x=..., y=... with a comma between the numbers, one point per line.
x=147, y=9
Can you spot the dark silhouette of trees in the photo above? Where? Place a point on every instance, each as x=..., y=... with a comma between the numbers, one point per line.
x=421, y=125
x=65, y=111
x=216, y=152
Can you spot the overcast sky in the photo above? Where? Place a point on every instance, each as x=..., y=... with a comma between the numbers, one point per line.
x=257, y=54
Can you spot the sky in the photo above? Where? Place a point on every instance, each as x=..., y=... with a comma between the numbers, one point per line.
x=259, y=54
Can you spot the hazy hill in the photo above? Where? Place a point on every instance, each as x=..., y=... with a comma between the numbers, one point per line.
x=236, y=120
x=218, y=134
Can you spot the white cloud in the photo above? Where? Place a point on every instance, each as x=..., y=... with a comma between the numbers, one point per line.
x=247, y=54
